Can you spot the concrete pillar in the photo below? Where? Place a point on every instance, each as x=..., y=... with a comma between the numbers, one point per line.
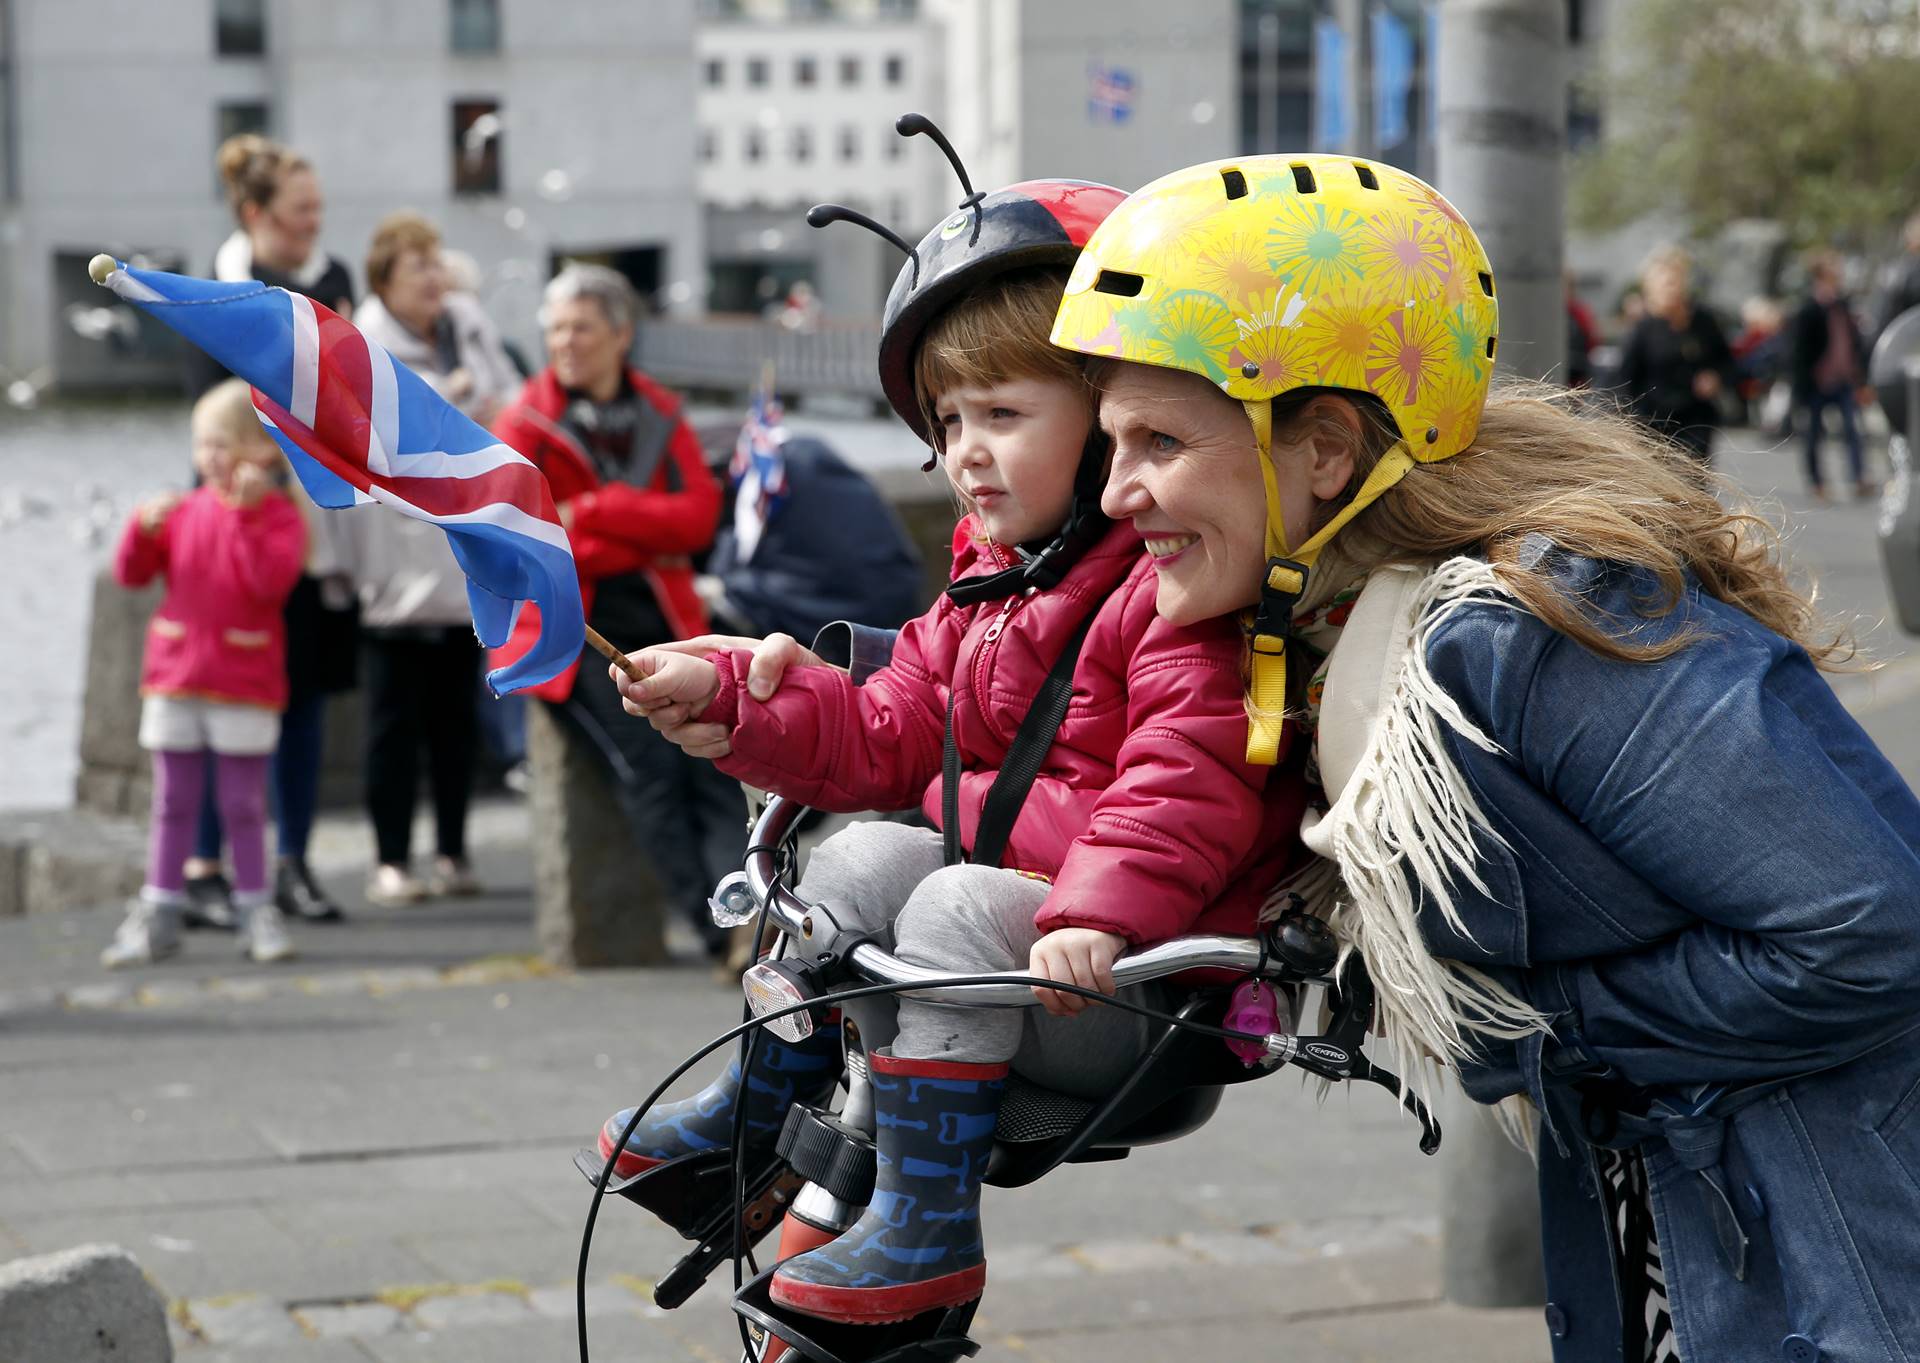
x=595, y=899
x=1500, y=148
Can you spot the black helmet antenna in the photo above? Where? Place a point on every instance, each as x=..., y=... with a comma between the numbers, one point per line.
x=910, y=125
x=822, y=214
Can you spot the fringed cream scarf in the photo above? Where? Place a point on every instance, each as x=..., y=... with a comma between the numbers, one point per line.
x=1396, y=804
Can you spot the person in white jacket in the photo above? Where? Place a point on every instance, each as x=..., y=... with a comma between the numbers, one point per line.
x=423, y=662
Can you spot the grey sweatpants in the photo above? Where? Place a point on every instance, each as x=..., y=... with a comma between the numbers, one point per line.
x=966, y=919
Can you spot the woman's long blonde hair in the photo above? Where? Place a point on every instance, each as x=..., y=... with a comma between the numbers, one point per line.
x=1577, y=471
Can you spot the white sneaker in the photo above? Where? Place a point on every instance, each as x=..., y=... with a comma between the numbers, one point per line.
x=150, y=932
x=452, y=879
x=394, y=886
x=263, y=935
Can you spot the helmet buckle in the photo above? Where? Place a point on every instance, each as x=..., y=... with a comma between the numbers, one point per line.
x=1281, y=588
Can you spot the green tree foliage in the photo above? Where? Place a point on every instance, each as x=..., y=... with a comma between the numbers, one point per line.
x=1806, y=112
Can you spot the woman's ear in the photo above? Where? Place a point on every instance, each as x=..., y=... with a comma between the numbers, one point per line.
x=1335, y=434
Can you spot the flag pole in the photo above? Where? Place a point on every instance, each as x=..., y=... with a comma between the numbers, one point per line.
x=614, y=655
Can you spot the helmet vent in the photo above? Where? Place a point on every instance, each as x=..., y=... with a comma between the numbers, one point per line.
x=1303, y=179
x=1367, y=180
x=1114, y=282
x=1235, y=182
x=1490, y=341
x=1486, y=283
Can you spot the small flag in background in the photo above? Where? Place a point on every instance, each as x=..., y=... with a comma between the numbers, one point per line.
x=1109, y=93
x=758, y=471
x=358, y=426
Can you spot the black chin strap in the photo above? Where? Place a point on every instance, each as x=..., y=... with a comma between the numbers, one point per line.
x=1042, y=568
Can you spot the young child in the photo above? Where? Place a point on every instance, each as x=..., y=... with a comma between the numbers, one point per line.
x=214, y=675
x=1145, y=821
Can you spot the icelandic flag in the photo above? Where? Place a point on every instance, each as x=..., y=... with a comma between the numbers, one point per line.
x=358, y=426
x=758, y=471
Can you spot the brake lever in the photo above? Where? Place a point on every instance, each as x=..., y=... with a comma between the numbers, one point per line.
x=1336, y=1055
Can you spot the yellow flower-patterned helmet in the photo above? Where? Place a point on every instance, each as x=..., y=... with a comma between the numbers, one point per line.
x=1270, y=273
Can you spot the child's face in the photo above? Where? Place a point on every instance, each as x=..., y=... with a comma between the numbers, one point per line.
x=1013, y=449
x=217, y=453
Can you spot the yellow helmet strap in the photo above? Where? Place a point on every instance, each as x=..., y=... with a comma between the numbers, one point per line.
x=1285, y=582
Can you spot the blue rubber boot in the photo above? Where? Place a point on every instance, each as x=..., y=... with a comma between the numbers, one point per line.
x=784, y=1073
x=918, y=1244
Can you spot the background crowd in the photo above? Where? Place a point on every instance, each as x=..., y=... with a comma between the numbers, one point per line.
x=379, y=601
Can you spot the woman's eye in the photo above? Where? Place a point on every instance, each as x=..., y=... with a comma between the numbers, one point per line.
x=1161, y=443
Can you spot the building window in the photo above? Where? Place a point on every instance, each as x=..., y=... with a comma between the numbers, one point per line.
x=230, y=120
x=896, y=69
x=756, y=70
x=849, y=144
x=800, y=143
x=755, y=146
x=898, y=9
x=708, y=146
x=476, y=25
x=477, y=132
x=804, y=71
x=240, y=28
x=716, y=72
x=849, y=70
x=895, y=146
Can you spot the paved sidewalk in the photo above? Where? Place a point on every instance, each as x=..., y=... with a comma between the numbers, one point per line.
x=365, y=1154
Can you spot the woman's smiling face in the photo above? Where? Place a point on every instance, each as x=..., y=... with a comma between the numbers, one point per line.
x=1186, y=473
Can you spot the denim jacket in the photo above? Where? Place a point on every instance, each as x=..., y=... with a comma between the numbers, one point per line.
x=1709, y=877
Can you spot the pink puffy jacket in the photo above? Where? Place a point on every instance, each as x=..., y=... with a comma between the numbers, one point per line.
x=1146, y=816
x=218, y=634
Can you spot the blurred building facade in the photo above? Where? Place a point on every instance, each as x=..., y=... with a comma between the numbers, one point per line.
x=527, y=131
x=798, y=99
x=796, y=107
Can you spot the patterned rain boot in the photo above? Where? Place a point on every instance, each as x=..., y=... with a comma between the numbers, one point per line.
x=918, y=1244
x=784, y=1073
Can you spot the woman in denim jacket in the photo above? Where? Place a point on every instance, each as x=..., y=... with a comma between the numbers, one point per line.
x=1614, y=852
x=1616, y=856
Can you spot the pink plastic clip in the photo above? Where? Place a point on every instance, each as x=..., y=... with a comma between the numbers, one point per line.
x=1257, y=1007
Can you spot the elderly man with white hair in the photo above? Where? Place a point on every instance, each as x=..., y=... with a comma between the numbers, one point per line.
x=638, y=502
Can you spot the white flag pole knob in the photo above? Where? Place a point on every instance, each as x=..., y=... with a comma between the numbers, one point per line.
x=101, y=266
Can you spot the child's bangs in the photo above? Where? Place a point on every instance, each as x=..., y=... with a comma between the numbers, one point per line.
x=994, y=335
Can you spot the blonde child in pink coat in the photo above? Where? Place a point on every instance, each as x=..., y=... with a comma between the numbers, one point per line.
x=214, y=674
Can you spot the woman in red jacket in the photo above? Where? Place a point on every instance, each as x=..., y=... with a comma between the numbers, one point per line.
x=1146, y=820
x=638, y=501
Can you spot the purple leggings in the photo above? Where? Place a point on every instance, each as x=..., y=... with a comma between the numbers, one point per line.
x=240, y=788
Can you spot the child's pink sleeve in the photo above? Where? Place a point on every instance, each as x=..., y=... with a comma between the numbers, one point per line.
x=140, y=557
x=837, y=746
x=1185, y=809
x=266, y=547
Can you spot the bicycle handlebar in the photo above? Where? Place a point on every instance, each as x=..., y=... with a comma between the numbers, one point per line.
x=792, y=915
